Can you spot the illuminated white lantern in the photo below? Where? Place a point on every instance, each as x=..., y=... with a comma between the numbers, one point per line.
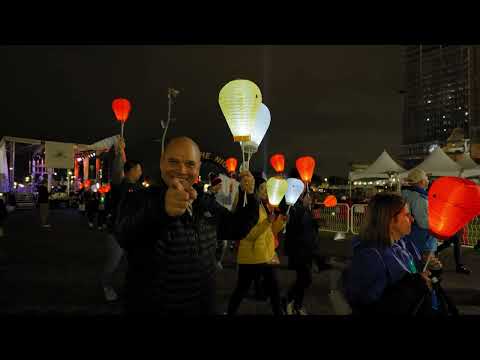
x=295, y=189
x=259, y=130
x=239, y=101
x=276, y=189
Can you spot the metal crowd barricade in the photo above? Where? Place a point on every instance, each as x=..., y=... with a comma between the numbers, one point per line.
x=357, y=216
x=343, y=218
x=333, y=219
x=471, y=234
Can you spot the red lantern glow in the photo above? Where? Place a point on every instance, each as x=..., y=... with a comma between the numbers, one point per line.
x=330, y=201
x=231, y=164
x=104, y=189
x=305, y=166
x=87, y=183
x=278, y=162
x=452, y=202
x=121, y=108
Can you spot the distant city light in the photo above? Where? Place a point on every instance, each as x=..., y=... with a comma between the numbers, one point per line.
x=79, y=159
x=466, y=112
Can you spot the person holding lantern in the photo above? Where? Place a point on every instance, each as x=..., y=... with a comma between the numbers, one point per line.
x=171, y=239
x=416, y=197
x=121, y=199
x=256, y=255
x=301, y=245
x=227, y=202
x=384, y=277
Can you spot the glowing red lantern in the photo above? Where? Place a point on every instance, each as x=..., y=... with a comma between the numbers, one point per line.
x=330, y=201
x=231, y=164
x=104, y=189
x=305, y=166
x=278, y=162
x=87, y=183
x=452, y=202
x=121, y=108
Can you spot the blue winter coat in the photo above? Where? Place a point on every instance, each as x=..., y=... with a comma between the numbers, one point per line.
x=373, y=269
x=417, y=200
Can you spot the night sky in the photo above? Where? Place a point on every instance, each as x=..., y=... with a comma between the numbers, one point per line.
x=336, y=103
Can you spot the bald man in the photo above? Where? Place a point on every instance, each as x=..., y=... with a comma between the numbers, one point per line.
x=171, y=239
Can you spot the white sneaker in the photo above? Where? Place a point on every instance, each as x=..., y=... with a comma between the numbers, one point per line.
x=110, y=294
x=90, y=225
x=301, y=311
x=100, y=228
x=46, y=225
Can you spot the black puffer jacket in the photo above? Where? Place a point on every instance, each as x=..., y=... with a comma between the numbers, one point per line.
x=171, y=260
x=301, y=240
x=126, y=195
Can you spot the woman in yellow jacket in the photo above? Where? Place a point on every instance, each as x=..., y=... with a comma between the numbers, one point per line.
x=256, y=254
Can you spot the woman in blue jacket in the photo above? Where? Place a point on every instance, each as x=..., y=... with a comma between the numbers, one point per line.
x=385, y=277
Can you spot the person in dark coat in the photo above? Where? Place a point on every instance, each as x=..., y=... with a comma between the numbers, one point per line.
x=301, y=243
x=43, y=203
x=123, y=198
x=385, y=277
x=3, y=214
x=170, y=239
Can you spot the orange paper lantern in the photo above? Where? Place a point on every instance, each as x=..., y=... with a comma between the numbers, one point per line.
x=305, y=166
x=330, y=201
x=452, y=203
x=121, y=108
x=231, y=164
x=278, y=162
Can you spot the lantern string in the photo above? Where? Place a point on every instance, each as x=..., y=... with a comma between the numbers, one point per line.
x=288, y=211
x=243, y=167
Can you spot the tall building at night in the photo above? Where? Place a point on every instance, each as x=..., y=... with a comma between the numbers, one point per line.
x=442, y=94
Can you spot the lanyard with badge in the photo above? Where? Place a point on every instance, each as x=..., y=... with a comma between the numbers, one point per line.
x=410, y=265
x=412, y=269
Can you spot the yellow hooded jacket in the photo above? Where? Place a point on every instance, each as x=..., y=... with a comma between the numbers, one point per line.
x=258, y=247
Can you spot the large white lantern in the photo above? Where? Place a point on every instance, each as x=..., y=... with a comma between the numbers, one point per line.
x=239, y=101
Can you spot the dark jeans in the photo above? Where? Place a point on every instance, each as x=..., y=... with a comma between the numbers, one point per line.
x=91, y=216
x=456, y=241
x=101, y=218
x=302, y=283
x=247, y=273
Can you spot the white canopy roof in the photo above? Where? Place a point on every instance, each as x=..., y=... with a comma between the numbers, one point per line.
x=380, y=169
x=437, y=164
x=470, y=167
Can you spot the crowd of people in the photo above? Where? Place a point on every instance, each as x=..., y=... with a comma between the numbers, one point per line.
x=174, y=236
